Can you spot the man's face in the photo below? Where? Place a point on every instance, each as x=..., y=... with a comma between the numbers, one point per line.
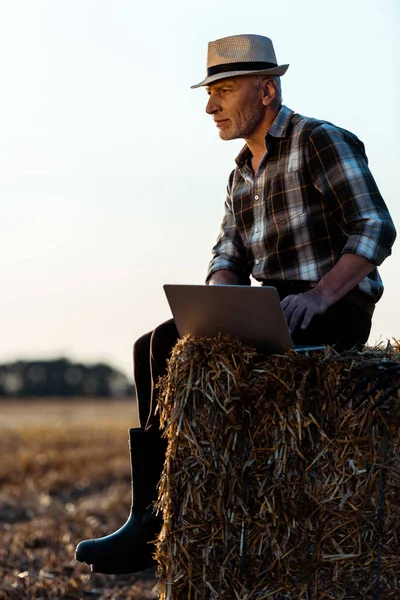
x=236, y=106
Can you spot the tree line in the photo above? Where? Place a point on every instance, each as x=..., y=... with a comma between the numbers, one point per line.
x=61, y=377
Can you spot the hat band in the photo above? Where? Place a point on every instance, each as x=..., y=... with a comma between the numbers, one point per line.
x=240, y=66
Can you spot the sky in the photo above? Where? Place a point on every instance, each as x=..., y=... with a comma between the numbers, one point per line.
x=112, y=176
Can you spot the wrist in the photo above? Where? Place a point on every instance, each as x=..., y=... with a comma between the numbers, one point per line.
x=325, y=294
x=224, y=277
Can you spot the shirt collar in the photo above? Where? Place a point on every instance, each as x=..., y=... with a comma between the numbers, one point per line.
x=281, y=123
x=278, y=129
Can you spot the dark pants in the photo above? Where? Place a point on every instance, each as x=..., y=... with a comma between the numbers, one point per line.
x=344, y=324
x=150, y=353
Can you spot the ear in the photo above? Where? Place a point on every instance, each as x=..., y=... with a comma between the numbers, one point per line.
x=269, y=92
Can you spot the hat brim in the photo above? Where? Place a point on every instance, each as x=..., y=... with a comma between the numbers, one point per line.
x=280, y=70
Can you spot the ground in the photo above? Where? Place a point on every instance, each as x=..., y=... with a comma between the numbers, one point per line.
x=64, y=477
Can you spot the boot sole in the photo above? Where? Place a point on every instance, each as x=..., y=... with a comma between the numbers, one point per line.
x=121, y=567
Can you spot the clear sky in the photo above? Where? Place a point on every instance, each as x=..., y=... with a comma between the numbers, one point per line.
x=112, y=177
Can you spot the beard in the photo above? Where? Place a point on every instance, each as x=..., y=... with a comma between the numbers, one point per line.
x=242, y=128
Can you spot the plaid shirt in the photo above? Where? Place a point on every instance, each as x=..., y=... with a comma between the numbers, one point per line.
x=312, y=199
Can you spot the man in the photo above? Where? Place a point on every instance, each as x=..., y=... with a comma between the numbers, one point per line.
x=303, y=213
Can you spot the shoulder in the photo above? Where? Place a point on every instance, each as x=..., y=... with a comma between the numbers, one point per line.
x=320, y=133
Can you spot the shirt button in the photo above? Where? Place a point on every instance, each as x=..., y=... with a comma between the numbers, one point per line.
x=256, y=197
x=257, y=261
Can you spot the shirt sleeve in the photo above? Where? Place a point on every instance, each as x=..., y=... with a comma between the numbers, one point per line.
x=229, y=252
x=340, y=172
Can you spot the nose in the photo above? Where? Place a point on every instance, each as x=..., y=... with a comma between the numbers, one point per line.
x=212, y=106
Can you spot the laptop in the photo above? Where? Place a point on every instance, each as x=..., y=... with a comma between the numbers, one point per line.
x=252, y=315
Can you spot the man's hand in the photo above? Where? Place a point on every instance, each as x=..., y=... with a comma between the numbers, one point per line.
x=334, y=285
x=299, y=309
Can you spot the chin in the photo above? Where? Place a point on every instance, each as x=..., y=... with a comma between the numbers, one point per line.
x=227, y=135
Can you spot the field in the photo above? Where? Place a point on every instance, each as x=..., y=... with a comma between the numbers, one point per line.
x=64, y=477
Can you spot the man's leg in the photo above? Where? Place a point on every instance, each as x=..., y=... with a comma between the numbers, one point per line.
x=150, y=355
x=142, y=376
x=129, y=550
x=163, y=339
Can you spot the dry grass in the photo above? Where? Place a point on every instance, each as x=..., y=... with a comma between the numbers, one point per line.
x=282, y=474
x=64, y=477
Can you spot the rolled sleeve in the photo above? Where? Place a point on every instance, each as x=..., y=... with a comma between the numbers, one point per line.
x=340, y=172
x=229, y=252
x=372, y=239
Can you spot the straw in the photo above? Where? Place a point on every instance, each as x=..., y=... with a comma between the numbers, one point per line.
x=282, y=474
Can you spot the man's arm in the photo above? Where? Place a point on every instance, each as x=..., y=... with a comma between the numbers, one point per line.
x=339, y=170
x=229, y=264
x=224, y=277
x=343, y=277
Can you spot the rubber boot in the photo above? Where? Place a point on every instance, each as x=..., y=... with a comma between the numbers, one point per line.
x=129, y=549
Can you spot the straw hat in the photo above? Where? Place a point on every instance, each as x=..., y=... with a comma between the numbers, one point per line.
x=240, y=55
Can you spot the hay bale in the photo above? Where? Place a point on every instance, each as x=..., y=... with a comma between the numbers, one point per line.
x=282, y=474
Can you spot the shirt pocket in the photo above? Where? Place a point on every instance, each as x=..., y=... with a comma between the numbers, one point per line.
x=285, y=200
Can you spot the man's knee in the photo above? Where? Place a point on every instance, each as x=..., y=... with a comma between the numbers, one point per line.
x=142, y=346
x=165, y=334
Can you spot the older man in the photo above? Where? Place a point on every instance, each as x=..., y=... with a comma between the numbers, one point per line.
x=303, y=213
